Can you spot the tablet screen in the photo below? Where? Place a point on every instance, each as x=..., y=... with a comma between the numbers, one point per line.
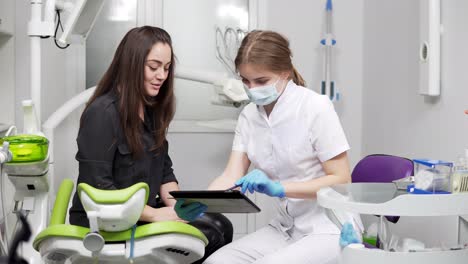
x=231, y=201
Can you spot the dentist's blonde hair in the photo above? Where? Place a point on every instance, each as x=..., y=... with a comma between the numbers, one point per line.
x=270, y=50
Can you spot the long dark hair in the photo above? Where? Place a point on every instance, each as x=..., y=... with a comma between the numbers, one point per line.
x=125, y=76
x=269, y=49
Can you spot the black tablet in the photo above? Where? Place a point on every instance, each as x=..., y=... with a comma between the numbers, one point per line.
x=231, y=201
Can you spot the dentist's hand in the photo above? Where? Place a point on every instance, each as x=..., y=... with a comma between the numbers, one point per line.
x=189, y=212
x=258, y=181
x=349, y=235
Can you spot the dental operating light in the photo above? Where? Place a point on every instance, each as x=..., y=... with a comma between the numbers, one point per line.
x=81, y=20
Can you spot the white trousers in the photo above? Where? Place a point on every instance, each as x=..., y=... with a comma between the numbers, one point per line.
x=269, y=246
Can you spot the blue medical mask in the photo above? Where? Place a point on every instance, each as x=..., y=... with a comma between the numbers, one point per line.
x=262, y=95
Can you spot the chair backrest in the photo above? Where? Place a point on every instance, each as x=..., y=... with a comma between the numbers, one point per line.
x=113, y=210
x=382, y=168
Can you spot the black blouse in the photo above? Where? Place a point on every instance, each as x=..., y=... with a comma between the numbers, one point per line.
x=105, y=160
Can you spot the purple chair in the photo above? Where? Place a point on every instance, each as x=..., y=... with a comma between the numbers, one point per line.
x=382, y=168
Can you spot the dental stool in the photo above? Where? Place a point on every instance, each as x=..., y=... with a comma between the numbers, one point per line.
x=113, y=236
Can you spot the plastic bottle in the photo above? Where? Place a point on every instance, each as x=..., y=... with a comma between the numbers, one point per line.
x=460, y=174
x=31, y=123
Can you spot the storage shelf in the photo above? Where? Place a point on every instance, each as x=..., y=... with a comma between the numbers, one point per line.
x=385, y=199
x=358, y=255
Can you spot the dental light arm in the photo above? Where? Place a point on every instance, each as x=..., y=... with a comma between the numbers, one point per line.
x=227, y=91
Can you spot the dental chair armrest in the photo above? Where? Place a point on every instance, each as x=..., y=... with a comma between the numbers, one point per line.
x=217, y=228
x=59, y=213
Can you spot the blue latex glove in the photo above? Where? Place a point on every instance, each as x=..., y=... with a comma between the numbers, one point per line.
x=348, y=235
x=191, y=211
x=258, y=181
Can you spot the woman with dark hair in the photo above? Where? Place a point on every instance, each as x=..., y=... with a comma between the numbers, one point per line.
x=122, y=135
x=293, y=138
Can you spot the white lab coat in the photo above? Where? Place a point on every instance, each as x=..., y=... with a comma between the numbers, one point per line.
x=302, y=131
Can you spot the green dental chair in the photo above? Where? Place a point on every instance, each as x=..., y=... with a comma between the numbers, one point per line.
x=113, y=236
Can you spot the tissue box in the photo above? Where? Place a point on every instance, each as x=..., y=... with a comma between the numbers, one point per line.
x=432, y=175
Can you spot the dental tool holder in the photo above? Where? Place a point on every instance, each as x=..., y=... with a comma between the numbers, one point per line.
x=5, y=153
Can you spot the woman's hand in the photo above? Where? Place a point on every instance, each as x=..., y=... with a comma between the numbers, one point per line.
x=165, y=214
x=189, y=212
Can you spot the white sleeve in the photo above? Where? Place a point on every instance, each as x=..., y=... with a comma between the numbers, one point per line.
x=240, y=135
x=326, y=134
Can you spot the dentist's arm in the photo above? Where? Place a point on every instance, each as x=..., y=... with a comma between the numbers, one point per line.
x=336, y=171
x=236, y=167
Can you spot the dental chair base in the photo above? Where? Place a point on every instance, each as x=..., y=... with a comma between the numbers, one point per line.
x=167, y=248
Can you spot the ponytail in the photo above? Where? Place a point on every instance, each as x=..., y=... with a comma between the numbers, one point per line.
x=269, y=49
x=297, y=78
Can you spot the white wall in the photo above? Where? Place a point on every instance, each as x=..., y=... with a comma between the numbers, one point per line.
x=396, y=119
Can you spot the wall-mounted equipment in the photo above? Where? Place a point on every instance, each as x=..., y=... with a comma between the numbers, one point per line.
x=429, y=49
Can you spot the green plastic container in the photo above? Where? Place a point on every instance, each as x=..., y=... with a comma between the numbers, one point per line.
x=27, y=148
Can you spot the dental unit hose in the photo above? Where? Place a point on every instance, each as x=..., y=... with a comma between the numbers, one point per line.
x=5, y=153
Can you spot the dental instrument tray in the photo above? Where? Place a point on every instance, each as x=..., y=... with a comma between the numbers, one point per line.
x=219, y=201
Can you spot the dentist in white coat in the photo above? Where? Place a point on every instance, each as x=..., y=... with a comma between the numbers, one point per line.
x=293, y=138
